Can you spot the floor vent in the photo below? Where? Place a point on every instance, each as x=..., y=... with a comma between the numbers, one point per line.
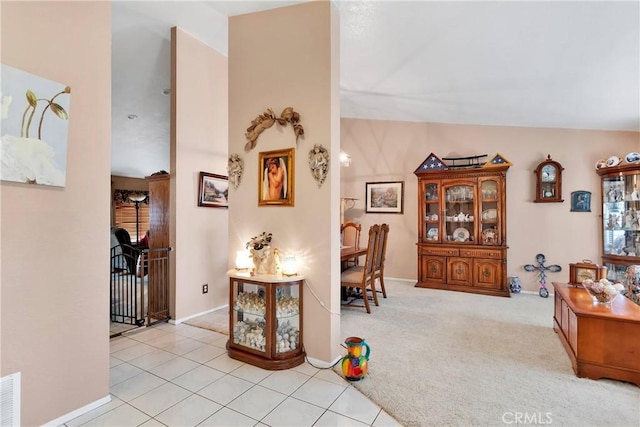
x=10, y=400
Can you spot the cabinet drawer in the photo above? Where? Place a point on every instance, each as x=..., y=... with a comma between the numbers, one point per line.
x=438, y=251
x=481, y=253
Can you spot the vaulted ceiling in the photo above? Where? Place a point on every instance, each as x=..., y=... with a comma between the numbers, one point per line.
x=566, y=64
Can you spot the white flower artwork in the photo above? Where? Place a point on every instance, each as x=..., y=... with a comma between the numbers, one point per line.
x=34, y=128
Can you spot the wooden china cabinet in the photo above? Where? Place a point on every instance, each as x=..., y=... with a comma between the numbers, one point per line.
x=159, y=246
x=462, y=233
x=159, y=212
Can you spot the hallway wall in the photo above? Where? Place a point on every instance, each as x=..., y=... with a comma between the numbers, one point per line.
x=54, y=242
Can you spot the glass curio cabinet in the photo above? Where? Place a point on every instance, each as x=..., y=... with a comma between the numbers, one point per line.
x=462, y=242
x=265, y=316
x=621, y=223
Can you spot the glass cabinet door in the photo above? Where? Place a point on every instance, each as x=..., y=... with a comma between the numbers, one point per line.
x=489, y=213
x=287, y=318
x=459, y=212
x=621, y=216
x=548, y=182
x=249, y=308
x=431, y=214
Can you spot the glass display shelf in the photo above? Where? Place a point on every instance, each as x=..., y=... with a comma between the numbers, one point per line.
x=266, y=320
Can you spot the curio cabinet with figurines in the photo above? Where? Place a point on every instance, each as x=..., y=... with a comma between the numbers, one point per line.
x=462, y=241
x=621, y=219
x=265, y=320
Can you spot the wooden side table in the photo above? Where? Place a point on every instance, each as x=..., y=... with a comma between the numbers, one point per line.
x=265, y=320
x=601, y=341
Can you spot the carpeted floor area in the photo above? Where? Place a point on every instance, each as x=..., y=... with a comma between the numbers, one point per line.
x=216, y=321
x=442, y=358
x=449, y=358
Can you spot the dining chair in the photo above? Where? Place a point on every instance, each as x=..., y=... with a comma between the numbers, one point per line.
x=362, y=277
x=350, y=236
x=380, y=256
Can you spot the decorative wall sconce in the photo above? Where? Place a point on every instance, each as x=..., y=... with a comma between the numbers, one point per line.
x=235, y=168
x=319, y=163
x=290, y=266
x=345, y=159
x=243, y=260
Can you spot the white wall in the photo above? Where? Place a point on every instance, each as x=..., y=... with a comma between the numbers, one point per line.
x=54, y=242
x=295, y=66
x=198, y=143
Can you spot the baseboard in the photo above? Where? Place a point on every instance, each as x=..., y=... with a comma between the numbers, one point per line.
x=184, y=319
x=78, y=412
x=398, y=279
x=321, y=364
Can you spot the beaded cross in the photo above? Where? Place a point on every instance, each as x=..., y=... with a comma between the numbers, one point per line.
x=541, y=269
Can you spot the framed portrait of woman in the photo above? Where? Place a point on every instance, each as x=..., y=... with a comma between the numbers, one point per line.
x=276, y=178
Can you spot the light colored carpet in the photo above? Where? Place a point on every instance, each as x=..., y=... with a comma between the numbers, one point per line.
x=449, y=358
x=216, y=321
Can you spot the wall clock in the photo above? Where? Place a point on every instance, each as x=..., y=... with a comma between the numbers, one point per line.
x=549, y=181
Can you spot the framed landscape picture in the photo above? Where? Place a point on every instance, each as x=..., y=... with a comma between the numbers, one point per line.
x=213, y=190
x=385, y=197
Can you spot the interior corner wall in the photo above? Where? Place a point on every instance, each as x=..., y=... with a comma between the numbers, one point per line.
x=287, y=57
x=563, y=236
x=199, y=143
x=55, y=241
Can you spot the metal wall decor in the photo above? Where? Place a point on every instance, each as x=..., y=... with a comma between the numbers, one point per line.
x=319, y=163
x=266, y=120
x=542, y=276
x=235, y=168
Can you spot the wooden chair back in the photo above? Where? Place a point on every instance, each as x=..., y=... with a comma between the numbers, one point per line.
x=350, y=232
x=363, y=277
x=380, y=256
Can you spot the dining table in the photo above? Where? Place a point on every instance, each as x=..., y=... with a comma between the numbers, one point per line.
x=348, y=252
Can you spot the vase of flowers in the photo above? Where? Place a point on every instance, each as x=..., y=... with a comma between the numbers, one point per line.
x=260, y=251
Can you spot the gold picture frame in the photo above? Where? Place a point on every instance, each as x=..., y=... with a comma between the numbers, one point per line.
x=275, y=187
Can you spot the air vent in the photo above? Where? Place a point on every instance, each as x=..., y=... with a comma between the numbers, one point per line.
x=10, y=400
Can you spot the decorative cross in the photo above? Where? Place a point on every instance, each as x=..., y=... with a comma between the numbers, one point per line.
x=541, y=269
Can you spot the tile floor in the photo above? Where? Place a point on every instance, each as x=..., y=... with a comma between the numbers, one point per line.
x=180, y=375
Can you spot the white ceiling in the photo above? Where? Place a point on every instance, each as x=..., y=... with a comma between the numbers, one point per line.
x=543, y=64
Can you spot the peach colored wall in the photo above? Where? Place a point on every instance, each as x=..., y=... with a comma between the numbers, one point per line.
x=295, y=66
x=390, y=151
x=200, y=144
x=55, y=278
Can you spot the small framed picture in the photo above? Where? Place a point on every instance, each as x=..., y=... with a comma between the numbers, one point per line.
x=581, y=201
x=385, y=197
x=213, y=190
x=275, y=178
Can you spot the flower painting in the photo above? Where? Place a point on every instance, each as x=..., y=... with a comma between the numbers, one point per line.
x=34, y=126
